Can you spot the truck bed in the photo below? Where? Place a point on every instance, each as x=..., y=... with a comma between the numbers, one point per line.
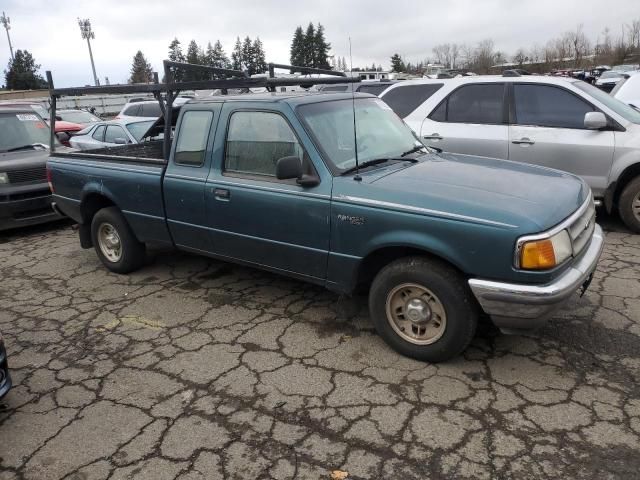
x=147, y=150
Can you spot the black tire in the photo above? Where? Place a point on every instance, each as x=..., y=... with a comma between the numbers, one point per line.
x=628, y=197
x=451, y=291
x=131, y=253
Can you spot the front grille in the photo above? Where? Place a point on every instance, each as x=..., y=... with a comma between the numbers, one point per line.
x=41, y=192
x=38, y=174
x=582, y=228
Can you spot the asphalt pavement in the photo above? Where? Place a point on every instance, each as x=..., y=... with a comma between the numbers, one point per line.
x=197, y=369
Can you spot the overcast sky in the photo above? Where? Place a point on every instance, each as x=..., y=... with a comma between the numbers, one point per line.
x=49, y=30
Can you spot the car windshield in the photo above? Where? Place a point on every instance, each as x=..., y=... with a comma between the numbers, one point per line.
x=138, y=129
x=380, y=132
x=78, y=116
x=19, y=130
x=622, y=109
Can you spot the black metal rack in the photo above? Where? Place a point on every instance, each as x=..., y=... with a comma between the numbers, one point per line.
x=232, y=79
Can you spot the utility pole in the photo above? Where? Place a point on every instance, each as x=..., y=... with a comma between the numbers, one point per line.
x=6, y=22
x=87, y=33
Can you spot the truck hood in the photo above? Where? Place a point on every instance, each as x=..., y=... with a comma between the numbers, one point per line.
x=484, y=190
x=21, y=159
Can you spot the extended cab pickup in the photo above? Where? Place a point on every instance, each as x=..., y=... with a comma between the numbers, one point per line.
x=270, y=181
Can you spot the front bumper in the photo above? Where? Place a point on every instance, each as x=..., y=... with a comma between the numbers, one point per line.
x=514, y=307
x=5, y=378
x=26, y=205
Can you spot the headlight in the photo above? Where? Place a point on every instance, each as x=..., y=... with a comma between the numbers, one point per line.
x=545, y=253
x=4, y=178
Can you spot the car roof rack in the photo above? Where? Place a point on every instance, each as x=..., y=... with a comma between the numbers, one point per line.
x=165, y=93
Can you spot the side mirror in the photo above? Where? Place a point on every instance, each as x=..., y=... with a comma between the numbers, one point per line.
x=595, y=120
x=288, y=167
x=120, y=141
x=63, y=137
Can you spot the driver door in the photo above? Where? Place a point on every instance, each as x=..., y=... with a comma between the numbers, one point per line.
x=255, y=217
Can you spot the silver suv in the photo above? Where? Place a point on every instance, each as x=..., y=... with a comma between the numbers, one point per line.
x=560, y=123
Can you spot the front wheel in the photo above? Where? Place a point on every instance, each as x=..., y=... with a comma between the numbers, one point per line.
x=629, y=205
x=423, y=309
x=115, y=243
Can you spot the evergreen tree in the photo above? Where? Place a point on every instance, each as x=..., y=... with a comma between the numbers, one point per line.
x=141, y=71
x=320, y=49
x=236, y=55
x=194, y=56
x=176, y=55
x=308, y=47
x=397, y=65
x=218, y=58
x=297, y=48
x=247, y=57
x=22, y=73
x=259, y=57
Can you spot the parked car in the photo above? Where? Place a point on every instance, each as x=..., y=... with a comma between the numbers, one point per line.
x=25, y=197
x=145, y=109
x=608, y=80
x=593, y=74
x=554, y=122
x=626, y=67
x=374, y=88
x=628, y=90
x=111, y=133
x=279, y=182
x=63, y=129
x=79, y=117
x=5, y=377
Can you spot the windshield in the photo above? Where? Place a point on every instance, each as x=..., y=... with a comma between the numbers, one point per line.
x=78, y=116
x=380, y=132
x=622, y=109
x=138, y=129
x=22, y=129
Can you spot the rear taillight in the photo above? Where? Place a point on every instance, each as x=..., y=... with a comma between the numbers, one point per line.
x=49, y=179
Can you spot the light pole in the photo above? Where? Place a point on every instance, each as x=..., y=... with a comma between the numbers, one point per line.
x=6, y=21
x=86, y=32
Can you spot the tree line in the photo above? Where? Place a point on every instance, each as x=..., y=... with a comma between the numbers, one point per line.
x=571, y=49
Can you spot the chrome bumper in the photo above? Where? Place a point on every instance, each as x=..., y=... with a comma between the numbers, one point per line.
x=515, y=307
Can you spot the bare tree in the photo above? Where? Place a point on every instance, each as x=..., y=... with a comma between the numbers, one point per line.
x=455, y=53
x=485, y=55
x=520, y=57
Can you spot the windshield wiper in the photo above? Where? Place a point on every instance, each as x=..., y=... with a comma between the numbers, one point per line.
x=25, y=147
x=415, y=149
x=376, y=161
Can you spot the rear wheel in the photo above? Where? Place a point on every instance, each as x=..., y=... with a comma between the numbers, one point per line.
x=116, y=245
x=423, y=309
x=629, y=205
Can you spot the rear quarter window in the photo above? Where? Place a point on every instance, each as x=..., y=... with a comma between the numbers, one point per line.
x=406, y=98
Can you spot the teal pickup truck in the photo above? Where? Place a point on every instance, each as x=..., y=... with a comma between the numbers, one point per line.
x=271, y=181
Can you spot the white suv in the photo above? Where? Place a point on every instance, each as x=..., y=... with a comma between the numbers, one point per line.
x=145, y=109
x=555, y=122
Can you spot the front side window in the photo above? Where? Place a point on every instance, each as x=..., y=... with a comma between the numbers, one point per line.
x=99, y=133
x=132, y=111
x=380, y=132
x=256, y=141
x=406, y=98
x=549, y=106
x=113, y=133
x=192, y=138
x=483, y=104
x=151, y=110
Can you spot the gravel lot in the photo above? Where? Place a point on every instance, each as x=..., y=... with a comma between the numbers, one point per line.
x=195, y=369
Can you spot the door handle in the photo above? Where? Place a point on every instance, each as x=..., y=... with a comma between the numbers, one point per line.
x=433, y=136
x=221, y=193
x=523, y=141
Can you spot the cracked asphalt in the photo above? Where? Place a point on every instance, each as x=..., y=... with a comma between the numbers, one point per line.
x=196, y=369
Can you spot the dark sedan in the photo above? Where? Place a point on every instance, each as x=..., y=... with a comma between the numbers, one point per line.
x=25, y=197
x=5, y=378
